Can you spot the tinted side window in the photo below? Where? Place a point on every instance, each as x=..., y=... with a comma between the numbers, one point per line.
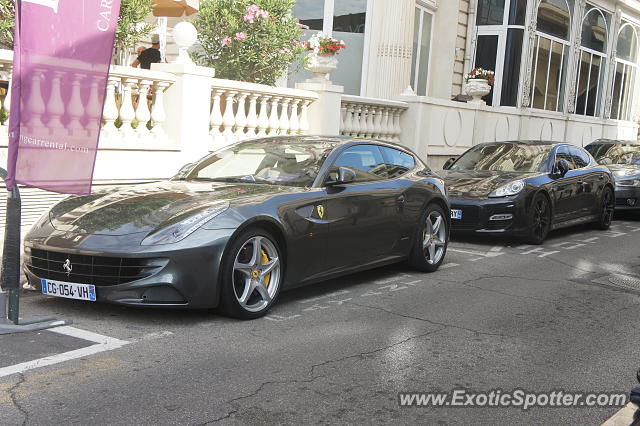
x=365, y=160
x=580, y=158
x=398, y=162
x=563, y=154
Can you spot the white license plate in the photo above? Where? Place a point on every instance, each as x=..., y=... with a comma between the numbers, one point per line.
x=69, y=290
x=456, y=214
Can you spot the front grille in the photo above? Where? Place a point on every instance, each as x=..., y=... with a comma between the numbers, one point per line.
x=96, y=270
x=622, y=202
x=470, y=218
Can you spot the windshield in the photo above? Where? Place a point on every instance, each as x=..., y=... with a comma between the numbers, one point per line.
x=504, y=157
x=287, y=162
x=615, y=153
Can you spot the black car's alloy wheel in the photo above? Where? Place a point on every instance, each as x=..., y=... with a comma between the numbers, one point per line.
x=540, y=221
x=607, y=207
x=252, y=275
x=430, y=244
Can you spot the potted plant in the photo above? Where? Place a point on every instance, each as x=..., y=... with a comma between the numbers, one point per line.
x=322, y=57
x=479, y=83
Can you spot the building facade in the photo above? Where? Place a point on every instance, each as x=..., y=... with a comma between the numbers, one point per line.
x=565, y=69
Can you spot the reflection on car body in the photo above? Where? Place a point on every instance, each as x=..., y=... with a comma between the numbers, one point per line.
x=527, y=188
x=623, y=159
x=236, y=227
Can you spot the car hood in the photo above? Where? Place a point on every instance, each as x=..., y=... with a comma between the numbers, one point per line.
x=478, y=184
x=624, y=171
x=144, y=208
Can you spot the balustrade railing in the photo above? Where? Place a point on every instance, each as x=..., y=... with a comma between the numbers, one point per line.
x=133, y=107
x=245, y=110
x=372, y=118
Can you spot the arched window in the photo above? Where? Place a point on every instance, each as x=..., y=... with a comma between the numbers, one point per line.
x=551, y=52
x=593, y=60
x=626, y=72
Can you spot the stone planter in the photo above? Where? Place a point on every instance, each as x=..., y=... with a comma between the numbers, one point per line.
x=477, y=88
x=321, y=66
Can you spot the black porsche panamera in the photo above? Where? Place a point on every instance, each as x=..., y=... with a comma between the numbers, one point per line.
x=527, y=189
x=623, y=159
x=241, y=224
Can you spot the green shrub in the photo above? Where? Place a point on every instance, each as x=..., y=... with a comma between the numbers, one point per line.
x=248, y=40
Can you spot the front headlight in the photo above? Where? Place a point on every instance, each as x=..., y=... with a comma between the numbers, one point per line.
x=628, y=183
x=182, y=229
x=512, y=188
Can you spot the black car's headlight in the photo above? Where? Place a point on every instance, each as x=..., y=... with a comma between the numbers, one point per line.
x=180, y=230
x=628, y=183
x=512, y=188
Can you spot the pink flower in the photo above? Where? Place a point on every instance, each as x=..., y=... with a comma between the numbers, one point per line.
x=249, y=18
x=241, y=36
x=263, y=14
x=225, y=41
x=253, y=9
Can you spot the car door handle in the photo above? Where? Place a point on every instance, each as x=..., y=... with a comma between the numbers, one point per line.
x=400, y=199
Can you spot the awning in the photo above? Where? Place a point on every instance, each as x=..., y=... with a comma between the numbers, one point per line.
x=175, y=7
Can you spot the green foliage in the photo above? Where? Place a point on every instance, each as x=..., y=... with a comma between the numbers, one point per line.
x=130, y=30
x=244, y=43
x=131, y=27
x=6, y=24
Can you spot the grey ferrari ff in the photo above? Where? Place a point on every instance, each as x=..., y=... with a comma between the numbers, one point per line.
x=527, y=189
x=623, y=159
x=235, y=228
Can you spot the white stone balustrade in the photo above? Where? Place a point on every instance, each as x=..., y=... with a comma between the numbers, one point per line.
x=371, y=118
x=126, y=87
x=245, y=110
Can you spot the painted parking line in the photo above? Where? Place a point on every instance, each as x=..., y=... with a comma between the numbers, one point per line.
x=624, y=417
x=102, y=344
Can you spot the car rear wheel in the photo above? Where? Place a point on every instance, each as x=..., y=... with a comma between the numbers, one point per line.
x=430, y=244
x=607, y=207
x=540, y=220
x=252, y=275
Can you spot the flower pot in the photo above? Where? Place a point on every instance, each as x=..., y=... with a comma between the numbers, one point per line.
x=321, y=65
x=477, y=88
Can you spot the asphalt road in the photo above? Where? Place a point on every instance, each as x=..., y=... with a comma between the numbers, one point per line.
x=498, y=316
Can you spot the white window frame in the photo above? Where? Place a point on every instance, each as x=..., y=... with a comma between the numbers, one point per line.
x=414, y=84
x=501, y=31
x=327, y=28
x=603, y=60
x=563, y=75
x=626, y=65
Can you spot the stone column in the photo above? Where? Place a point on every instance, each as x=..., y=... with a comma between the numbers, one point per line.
x=324, y=113
x=391, y=48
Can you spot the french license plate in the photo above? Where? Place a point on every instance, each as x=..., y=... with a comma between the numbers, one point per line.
x=456, y=214
x=69, y=290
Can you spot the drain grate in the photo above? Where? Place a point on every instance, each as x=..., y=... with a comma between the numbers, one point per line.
x=625, y=281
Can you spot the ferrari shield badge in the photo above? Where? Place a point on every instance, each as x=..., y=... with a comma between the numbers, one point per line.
x=320, y=210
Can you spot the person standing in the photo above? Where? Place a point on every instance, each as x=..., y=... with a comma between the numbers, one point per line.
x=149, y=56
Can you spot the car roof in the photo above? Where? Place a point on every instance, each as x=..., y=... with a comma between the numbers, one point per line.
x=331, y=140
x=527, y=142
x=615, y=142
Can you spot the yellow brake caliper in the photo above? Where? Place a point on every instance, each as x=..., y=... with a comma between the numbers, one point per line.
x=265, y=259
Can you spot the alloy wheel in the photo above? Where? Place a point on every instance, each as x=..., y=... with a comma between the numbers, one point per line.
x=434, y=238
x=541, y=217
x=256, y=274
x=608, y=207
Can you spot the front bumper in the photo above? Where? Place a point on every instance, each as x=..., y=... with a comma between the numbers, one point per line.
x=627, y=197
x=183, y=276
x=490, y=216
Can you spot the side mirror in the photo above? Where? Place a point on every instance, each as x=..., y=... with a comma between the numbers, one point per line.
x=562, y=167
x=345, y=176
x=448, y=163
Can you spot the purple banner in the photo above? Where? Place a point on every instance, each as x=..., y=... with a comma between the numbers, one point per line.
x=62, y=52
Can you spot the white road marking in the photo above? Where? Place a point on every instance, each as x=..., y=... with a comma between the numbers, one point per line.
x=624, y=417
x=102, y=344
x=153, y=336
x=540, y=252
x=449, y=265
x=496, y=248
x=476, y=253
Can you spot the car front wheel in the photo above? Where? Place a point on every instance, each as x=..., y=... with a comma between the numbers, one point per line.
x=539, y=221
x=607, y=207
x=252, y=275
x=430, y=244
